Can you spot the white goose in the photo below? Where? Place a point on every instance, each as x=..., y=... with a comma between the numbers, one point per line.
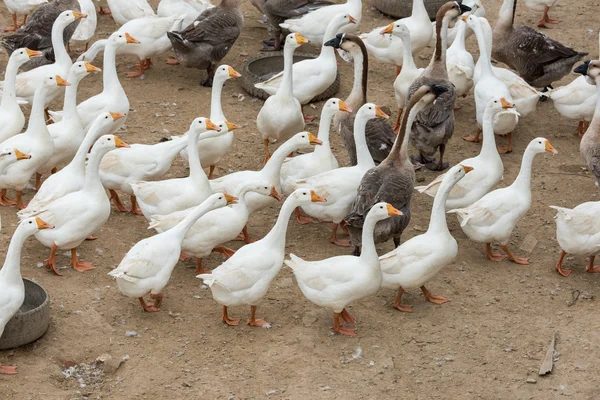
x=27, y=82
x=246, y=276
x=78, y=215
x=190, y=8
x=12, y=119
x=477, y=9
x=10, y=156
x=113, y=97
x=215, y=148
x=167, y=196
x=493, y=217
x=125, y=11
x=35, y=141
x=281, y=115
x=459, y=62
x=387, y=48
x=87, y=28
x=420, y=258
x=147, y=267
x=336, y=282
x=22, y=7
x=72, y=177
x=12, y=289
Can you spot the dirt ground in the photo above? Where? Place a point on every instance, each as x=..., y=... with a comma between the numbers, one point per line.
x=484, y=344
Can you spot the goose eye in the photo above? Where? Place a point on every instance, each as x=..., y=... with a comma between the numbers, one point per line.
x=30, y=222
x=106, y=117
x=304, y=193
x=109, y=139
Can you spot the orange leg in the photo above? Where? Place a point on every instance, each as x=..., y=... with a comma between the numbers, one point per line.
x=5, y=201
x=79, y=265
x=68, y=47
x=8, y=370
x=134, y=207
x=104, y=11
x=50, y=262
x=491, y=255
x=347, y=317
x=435, y=299
x=267, y=153
x=398, y=305
x=212, y=171
x=183, y=257
x=38, y=181
x=15, y=25
x=20, y=203
x=473, y=138
x=147, y=306
x=53, y=170
x=338, y=242
x=397, y=125
x=343, y=330
x=591, y=267
x=138, y=72
x=91, y=237
x=24, y=19
x=513, y=258
x=253, y=321
x=398, y=69
x=563, y=272
x=303, y=219
x=307, y=118
x=158, y=298
x=546, y=19
x=114, y=197
x=199, y=269
x=582, y=127
x=172, y=61
x=226, y=251
x=245, y=236
x=227, y=320
x=508, y=148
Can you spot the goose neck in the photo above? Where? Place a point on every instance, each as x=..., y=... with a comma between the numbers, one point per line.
x=358, y=95
x=216, y=108
x=70, y=101
x=418, y=9
x=368, y=251
x=523, y=181
x=506, y=15
x=10, y=80
x=437, y=223
x=276, y=237
x=441, y=42
x=408, y=61
x=459, y=40
x=324, y=127
x=272, y=169
x=36, y=118
x=58, y=44
x=110, y=79
x=287, y=86
x=488, y=148
x=90, y=137
x=196, y=172
x=92, y=175
x=363, y=155
x=484, y=54
x=11, y=270
x=182, y=228
x=399, y=153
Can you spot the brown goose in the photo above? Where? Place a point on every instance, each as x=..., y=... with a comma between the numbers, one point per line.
x=434, y=125
x=279, y=10
x=36, y=34
x=590, y=143
x=537, y=58
x=207, y=40
x=391, y=181
x=380, y=135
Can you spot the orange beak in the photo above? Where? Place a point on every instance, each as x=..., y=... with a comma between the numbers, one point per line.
x=312, y=139
x=274, y=194
x=211, y=126
x=353, y=20
x=21, y=156
x=506, y=104
x=79, y=15
x=230, y=199
x=231, y=126
x=464, y=17
x=33, y=53
x=393, y=211
x=116, y=116
x=41, y=224
x=388, y=29
x=131, y=39
x=380, y=113
x=467, y=168
x=61, y=82
x=301, y=39
x=315, y=198
x=550, y=148
x=119, y=143
x=233, y=73
x=90, y=68
x=344, y=107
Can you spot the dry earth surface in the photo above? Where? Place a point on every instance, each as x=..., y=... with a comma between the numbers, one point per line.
x=484, y=344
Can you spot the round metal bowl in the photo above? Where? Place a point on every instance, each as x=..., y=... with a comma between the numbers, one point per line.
x=265, y=66
x=31, y=321
x=403, y=8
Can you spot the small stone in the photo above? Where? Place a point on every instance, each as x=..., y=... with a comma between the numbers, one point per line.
x=131, y=334
x=531, y=380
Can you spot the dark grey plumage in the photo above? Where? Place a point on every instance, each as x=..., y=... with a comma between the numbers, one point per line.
x=36, y=34
x=379, y=134
x=207, y=40
x=589, y=147
x=279, y=10
x=538, y=59
x=391, y=181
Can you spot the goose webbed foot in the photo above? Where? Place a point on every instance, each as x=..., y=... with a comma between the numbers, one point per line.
x=422, y=159
x=439, y=166
x=211, y=74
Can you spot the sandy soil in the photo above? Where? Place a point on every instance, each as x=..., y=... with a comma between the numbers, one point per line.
x=484, y=344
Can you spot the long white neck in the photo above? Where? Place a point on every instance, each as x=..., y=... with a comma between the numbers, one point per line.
x=276, y=237
x=196, y=172
x=407, y=56
x=488, y=148
x=216, y=109
x=324, y=128
x=92, y=176
x=110, y=79
x=459, y=40
x=10, y=79
x=58, y=44
x=506, y=17
x=287, y=84
x=418, y=9
x=368, y=250
x=37, y=124
x=484, y=61
x=437, y=223
x=70, y=102
x=173, y=147
x=523, y=181
x=182, y=228
x=272, y=168
x=328, y=52
x=11, y=270
x=90, y=137
x=363, y=155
